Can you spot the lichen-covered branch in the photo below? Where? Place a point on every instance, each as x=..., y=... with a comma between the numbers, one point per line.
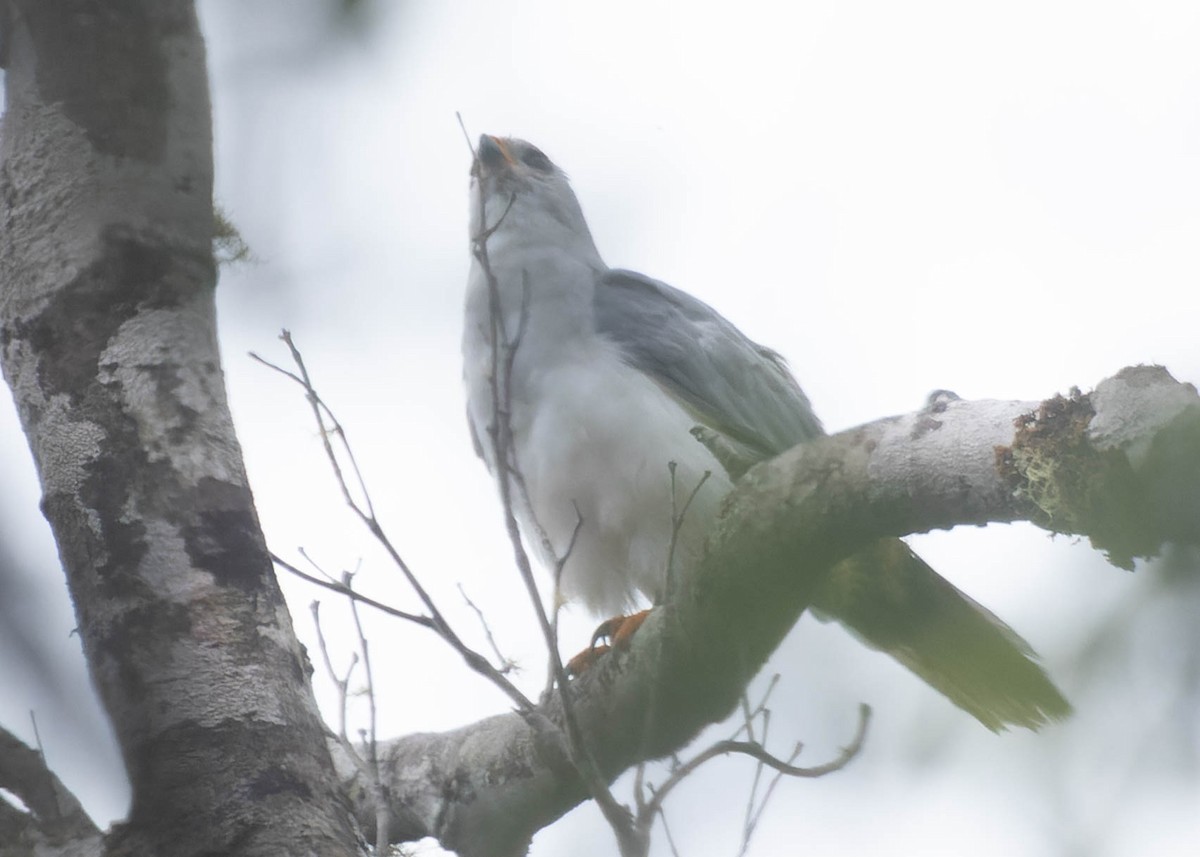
x=1120, y=466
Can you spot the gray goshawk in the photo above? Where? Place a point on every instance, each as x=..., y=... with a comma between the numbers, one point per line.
x=609, y=373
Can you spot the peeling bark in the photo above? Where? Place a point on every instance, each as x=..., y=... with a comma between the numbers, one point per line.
x=107, y=328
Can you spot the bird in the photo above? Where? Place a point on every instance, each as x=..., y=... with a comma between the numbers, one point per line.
x=593, y=381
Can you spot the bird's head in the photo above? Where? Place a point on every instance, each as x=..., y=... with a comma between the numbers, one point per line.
x=517, y=191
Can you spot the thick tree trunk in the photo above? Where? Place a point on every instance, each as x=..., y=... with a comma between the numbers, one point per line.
x=109, y=343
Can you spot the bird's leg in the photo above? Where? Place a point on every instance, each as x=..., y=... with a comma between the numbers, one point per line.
x=618, y=631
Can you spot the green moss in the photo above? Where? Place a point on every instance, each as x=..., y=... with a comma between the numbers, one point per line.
x=1075, y=488
x=228, y=245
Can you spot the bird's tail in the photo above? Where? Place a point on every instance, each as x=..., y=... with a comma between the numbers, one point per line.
x=896, y=603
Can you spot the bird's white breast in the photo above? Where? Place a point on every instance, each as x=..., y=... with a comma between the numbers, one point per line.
x=593, y=439
x=601, y=438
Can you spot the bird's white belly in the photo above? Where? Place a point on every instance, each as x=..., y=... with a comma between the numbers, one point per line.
x=594, y=439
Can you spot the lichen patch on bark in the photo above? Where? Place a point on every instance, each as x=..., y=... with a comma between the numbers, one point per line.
x=1073, y=486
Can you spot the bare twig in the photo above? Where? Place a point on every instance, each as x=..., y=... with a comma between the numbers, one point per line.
x=382, y=814
x=37, y=737
x=364, y=647
x=369, y=766
x=756, y=751
x=507, y=664
x=748, y=717
x=754, y=815
x=366, y=514
x=667, y=830
x=754, y=807
x=639, y=785
x=342, y=684
x=677, y=518
x=466, y=134
x=761, y=707
x=503, y=356
x=322, y=412
x=652, y=808
x=340, y=589
x=316, y=565
x=560, y=565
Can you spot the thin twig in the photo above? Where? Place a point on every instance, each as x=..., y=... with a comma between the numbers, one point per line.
x=755, y=809
x=748, y=717
x=37, y=737
x=319, y=407
x=317, y=566
x=667, y=830
x=382, y=813
x=342, y=684
x=677, y=524
x=503, y=358
x=639, y=785
x=507, y=664
x=560, y=565
x=366, y=515
x=347, y=579
x=750, y=825
x=340, y=589
x=757, y=751
x=750, y=714
x=466, y=134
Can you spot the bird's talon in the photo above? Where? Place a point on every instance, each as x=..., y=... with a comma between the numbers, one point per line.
x=607, y=630
x=627, y=628
x=618, y=631
x=584, y=661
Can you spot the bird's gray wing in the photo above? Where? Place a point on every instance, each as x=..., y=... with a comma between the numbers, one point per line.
x=887, y=595
x=729, y=383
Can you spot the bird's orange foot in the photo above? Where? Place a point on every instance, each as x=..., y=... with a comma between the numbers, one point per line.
x=585, y=660
x=618, y=630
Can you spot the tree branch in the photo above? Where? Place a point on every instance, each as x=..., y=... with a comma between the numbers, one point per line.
x=484, y=789
x=54, y=822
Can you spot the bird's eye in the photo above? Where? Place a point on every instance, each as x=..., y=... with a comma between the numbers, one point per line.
x=533, y=157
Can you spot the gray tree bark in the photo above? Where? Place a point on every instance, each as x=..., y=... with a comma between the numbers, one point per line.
x=107, y=327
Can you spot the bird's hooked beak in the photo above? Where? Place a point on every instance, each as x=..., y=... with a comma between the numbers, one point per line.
x=493, y=155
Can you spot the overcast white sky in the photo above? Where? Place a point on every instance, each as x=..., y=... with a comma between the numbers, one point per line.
x=998, y=199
